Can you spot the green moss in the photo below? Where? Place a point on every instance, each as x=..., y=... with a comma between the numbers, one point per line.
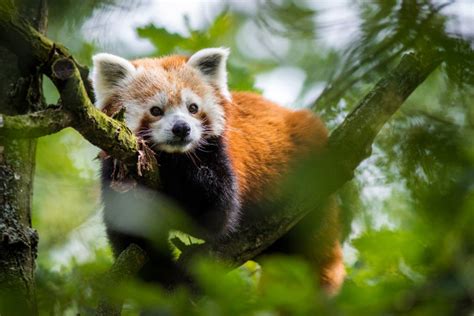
x=7, y=9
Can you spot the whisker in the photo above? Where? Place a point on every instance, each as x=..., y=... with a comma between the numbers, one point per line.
x=189, y=155
x=202, y=150
x=196, y=157
x=144, y=130
x=202, y=147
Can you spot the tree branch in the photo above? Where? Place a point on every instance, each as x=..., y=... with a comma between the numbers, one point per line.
x=33, y=48
x=76, y=95
x=102, y=131
x=128, y=263
x=35, y=124
x=348, y=146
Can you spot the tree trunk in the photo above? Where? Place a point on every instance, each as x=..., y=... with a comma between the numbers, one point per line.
x=20, y=92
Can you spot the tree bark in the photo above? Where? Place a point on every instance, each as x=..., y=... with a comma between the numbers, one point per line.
x=20, y=93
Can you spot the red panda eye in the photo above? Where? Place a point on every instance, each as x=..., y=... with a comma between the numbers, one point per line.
x=156, y=111
x=193, y=108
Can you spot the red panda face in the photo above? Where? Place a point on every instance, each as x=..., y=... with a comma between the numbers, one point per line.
x=172, y=102
x=176, y=122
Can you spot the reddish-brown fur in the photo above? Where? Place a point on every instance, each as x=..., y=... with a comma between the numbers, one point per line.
x=263, y=139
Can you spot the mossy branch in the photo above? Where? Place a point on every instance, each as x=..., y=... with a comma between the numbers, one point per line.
x=110, y=135
x=35, y=124
x=33, y=48
x=70, y=78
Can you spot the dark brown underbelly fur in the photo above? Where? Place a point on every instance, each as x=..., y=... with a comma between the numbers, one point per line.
x=203, y=186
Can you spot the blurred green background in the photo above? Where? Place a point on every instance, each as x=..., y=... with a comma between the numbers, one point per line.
x=409, y=212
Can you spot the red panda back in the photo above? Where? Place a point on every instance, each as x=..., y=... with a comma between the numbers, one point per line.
x=264, y=137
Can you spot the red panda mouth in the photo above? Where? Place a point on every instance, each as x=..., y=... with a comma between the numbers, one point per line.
x=178, y=142
x=175, y=144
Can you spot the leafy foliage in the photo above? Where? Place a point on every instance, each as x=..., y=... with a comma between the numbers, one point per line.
x=220, y=33
x=409, y=213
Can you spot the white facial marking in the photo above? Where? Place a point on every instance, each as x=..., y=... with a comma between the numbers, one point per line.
x=133, y=115
x=208, y=105
x=162, y=130
x=215, y=114
x=135, y=112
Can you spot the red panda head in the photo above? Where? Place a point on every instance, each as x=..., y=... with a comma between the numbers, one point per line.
x=174, y=102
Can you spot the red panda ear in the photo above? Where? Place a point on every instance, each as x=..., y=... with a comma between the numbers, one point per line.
x=211, y=63
x=108, y=74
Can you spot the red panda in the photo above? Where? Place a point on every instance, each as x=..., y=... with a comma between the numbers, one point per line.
x=220, y=153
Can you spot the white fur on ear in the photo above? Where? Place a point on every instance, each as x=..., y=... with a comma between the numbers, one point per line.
x=211, y=63
x=108, y=73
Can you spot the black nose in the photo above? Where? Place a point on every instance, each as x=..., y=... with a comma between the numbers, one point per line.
x=181, y=129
